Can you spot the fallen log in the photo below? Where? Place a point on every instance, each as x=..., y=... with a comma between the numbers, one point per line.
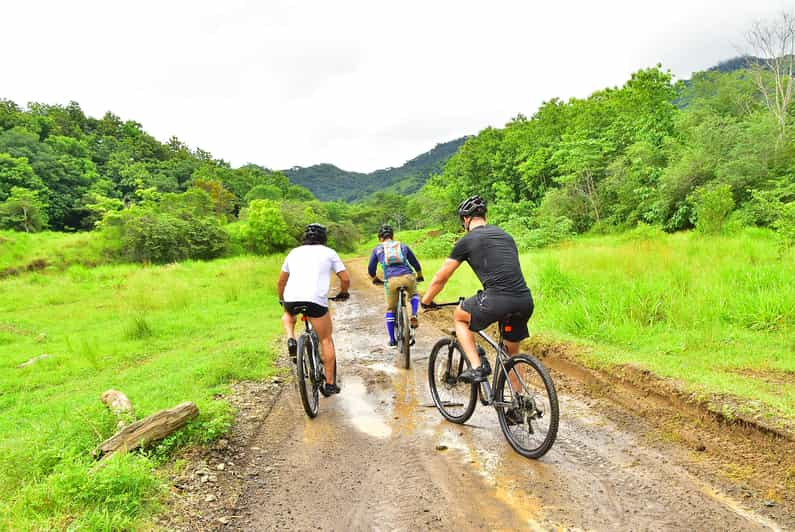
x=148, y=430
x=120, y=405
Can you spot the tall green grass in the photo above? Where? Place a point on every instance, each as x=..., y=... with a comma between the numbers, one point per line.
x=715, y=313
x=162, y=335
x=21, y=250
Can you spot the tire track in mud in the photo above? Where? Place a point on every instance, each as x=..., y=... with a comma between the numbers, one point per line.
x=378, y=458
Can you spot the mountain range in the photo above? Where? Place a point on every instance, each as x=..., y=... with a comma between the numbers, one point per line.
x=329, y=183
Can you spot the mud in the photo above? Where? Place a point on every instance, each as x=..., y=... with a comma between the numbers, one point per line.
x=377, y=457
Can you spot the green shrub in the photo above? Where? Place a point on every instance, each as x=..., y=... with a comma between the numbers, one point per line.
x=435, y=246
x=148, y=236
x=23, y=211
x=712, y=203
x=267, y=231
x=785, y=224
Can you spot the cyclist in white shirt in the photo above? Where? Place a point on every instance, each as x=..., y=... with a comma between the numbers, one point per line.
x=304, y=282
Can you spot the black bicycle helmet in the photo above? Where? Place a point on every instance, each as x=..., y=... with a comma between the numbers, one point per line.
x=315, y=234
x=386, y=231
x=472, y=206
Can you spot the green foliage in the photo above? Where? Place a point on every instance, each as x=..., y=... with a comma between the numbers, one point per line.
x=645, y=152
x=167, y=228
x=712, y=205
x=23, y=211
x=267, y=230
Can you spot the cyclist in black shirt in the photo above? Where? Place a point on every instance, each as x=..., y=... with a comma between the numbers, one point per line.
x=492, y=255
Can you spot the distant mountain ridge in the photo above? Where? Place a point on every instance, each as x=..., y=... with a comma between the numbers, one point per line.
x=329, y=183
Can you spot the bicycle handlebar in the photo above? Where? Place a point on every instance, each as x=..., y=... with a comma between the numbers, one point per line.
x=433, y=305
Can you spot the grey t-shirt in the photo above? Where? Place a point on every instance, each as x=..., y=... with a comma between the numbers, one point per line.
x=492, y=254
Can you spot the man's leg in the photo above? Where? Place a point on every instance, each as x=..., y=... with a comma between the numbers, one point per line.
x=513, y=349
x=466, y=339
x=288, y=321
x=322, y=327
x=415, y=301
x=391, y=295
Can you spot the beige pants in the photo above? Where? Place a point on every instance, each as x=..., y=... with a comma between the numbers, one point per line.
x=391, y=289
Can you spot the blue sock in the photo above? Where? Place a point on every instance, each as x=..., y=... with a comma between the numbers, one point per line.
x=390, y=326
x=415, y=304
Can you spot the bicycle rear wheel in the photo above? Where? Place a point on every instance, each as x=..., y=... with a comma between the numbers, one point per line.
x=403, y=333
x=306, y=371
x=455, y=400
x=531, y=426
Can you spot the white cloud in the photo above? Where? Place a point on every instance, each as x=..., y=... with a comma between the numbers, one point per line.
x=360, y=84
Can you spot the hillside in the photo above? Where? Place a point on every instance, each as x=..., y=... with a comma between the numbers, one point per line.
x=329, y=182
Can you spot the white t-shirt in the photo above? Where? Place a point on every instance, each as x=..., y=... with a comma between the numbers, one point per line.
x=310, y=268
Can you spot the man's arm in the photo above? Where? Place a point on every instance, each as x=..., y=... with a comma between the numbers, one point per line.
x=345, y=281
x=440, y=279
x=413, y=261
x=372, y=267
x=281, y=283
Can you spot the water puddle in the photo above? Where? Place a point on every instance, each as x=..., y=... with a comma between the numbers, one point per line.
x=357, y=403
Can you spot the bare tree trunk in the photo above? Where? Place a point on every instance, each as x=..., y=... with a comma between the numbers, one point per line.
x=588, y=189
x=774, y=44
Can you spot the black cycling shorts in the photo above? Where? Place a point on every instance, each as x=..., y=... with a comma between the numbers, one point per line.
x=485, y=309
x=313, y=310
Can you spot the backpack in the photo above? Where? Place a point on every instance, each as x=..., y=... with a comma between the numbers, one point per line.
x=393, y=253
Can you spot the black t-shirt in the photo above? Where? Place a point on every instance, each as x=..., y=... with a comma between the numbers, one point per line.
x=492, y=254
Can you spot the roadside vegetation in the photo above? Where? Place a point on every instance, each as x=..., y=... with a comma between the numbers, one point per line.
x=162, y=335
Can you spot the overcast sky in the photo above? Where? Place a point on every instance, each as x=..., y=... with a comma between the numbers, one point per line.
x=361, y=84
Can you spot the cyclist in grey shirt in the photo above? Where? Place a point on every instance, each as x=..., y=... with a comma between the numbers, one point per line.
x=493, y=256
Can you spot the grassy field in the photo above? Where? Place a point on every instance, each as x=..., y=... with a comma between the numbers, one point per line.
x=162, y=335
x=716, y=314
x=31, y=251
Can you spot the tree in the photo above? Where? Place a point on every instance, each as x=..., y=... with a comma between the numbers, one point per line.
x=772, y=47
x=16, y=172
x=223, y=200
x=23, y=211
x=267, y=230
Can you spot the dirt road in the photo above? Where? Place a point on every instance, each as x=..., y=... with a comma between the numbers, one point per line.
x=378, y=457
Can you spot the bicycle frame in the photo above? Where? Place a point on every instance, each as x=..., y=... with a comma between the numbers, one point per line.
x=499, y=363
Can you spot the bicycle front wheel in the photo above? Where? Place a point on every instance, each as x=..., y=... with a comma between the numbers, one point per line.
x=527, y=406
x=454, y=399
x=306, y=370
x=403, y=333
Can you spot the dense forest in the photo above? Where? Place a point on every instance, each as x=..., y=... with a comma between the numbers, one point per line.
x=714, y=153
x=328, y=182
x=628, y=155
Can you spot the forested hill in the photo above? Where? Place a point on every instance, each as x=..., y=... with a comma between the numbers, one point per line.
x=328, y=182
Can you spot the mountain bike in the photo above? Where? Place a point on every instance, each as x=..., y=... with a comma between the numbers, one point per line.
x=522, y=391
x=404, y=334
x=310, y=371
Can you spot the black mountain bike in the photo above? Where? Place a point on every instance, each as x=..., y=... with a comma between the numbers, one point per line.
x=522, y=392
x=404, y=334
x=310, y=372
